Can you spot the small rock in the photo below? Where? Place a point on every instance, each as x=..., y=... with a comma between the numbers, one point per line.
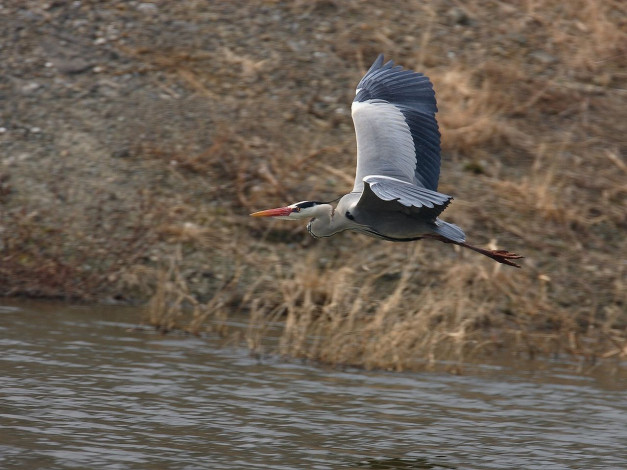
x=459, y=16
x=147, y=7
x=123, y=152
x=517, y=38
x=71, y=66
x=543, y=57
x=30, y=87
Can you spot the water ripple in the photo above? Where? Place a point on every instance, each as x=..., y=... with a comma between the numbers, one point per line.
x=80, y=389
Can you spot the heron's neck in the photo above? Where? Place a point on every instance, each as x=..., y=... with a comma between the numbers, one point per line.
x=324, y=223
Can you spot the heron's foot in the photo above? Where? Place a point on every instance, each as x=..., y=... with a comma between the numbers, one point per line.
x=503, y=256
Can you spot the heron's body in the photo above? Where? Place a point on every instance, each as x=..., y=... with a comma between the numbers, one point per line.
x=398, y=166
x=349, y=214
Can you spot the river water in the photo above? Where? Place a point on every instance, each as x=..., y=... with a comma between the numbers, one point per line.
x=80, y=388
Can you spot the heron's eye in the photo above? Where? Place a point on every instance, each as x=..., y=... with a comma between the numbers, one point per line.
x=349, y=216
x=296, y=209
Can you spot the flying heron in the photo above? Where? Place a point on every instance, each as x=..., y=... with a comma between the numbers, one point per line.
x=398, y=166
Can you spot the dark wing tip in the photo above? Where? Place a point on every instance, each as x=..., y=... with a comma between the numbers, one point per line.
x=380, y=63
x=376, y=64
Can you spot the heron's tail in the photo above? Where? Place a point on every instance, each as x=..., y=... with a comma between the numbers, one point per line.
x=450, y=231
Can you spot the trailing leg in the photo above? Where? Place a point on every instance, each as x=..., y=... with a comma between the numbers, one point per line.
x=501, y=256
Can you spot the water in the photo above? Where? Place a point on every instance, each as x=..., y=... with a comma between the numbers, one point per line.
x=80, y=389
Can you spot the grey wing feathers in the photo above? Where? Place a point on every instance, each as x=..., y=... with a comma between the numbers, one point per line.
x=412, y=94
x=390, y=194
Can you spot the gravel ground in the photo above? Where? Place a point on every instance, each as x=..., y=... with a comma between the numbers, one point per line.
x=100, y=99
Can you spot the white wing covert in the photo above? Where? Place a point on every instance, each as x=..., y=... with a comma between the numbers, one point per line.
x=384, y=193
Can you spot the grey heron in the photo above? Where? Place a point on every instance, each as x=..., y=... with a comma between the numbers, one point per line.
x=398, y=166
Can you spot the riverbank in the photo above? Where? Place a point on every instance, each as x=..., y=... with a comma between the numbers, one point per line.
x=136, y=137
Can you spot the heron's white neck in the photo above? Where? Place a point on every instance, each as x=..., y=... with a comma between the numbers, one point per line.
x=323, y=224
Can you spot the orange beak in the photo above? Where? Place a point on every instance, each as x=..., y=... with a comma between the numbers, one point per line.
x=279, y=211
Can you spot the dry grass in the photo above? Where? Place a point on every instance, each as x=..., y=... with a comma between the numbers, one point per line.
x=532, y=101
x=45, y=252
x=401, y=315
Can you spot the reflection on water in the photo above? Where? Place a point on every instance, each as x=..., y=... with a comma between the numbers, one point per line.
x=78, y=389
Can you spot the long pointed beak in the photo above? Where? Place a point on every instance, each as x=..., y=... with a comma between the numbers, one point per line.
x=279, y=211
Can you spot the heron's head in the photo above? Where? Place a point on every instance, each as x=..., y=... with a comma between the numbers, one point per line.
x=299, y=210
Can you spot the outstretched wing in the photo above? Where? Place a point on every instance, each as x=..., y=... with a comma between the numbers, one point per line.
x=387, y=194
x=397, y=134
